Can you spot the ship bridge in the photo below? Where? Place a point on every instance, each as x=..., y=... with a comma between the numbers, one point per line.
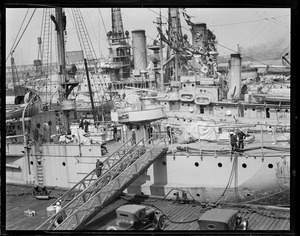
x=90, y=195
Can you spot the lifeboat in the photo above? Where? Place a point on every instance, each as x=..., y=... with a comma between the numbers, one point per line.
x=202, y=99
x=186, y=96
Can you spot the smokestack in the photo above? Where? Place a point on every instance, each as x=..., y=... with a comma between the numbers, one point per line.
x=235, y=76
x=139, y=49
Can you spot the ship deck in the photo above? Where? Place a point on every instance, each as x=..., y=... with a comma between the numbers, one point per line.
x=180, y=216
x=269, y=147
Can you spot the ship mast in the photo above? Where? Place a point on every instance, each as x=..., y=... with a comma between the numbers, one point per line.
x=175, y=36
x=67, y=79
x=161, y=82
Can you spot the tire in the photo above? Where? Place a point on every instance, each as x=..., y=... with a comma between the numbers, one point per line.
x=111, y=227
x=160, y=222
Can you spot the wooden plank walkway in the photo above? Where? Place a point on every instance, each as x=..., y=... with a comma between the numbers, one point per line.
x=184, y=216
x=181, y=215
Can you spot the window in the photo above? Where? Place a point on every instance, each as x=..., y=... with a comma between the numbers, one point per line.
x=201, y=109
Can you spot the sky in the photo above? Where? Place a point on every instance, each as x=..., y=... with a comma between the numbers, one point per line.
x=250, y=28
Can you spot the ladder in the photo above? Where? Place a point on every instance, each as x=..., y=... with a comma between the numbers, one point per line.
x=84, y=39
x=89, y=202
x=47, y=42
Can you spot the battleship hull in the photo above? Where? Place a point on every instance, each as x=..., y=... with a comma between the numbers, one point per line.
x=205, y=177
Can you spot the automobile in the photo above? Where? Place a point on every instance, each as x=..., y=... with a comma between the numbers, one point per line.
x=222, y=219
x=137, y=217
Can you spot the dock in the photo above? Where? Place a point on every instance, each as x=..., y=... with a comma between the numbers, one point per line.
x=180, y=216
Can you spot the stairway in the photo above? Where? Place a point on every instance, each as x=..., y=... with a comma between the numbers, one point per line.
x=100, y=192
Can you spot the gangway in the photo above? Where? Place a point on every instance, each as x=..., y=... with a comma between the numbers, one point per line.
x=91, y=177
x=95, y=193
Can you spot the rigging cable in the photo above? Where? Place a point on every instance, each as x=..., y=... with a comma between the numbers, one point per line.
x=246, y=56
x=245, y=22
x=225, y=46
x=13, y=48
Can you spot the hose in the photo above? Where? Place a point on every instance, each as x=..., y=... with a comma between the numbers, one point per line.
x=166, y=216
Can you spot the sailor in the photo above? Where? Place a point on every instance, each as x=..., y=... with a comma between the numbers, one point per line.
x=115, y=131
x=99, y=166
x=81, y=124
x=133, y=137
x=86, y=126
x=150, y=132
x=233, y=141
x=169, y=133
x=241, y=135
x=59, y=216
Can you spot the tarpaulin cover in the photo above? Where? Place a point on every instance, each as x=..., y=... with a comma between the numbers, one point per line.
x=135, y=101
x=199, y=130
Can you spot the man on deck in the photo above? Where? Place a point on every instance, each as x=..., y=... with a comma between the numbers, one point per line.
x=133, y=137
x=241, y=136
x=233, y=141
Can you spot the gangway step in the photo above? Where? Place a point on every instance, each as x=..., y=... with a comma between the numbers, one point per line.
x=116, y=185
x=91, y=184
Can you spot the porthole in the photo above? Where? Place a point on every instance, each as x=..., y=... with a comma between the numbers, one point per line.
x=188, y=104
x=220, y=164
x=184, y=85
x=221, y=107
x=253, y=109
x=164, y=163
x=183, y=119
x=270, y=165
x=244, y=165
x=64, y=164
x=31, y=163
x=286, y=110
x=198, y=195
x=193, y=85
x=196, y=164
x=165, y=103
x=39, y=162
x=245, y=109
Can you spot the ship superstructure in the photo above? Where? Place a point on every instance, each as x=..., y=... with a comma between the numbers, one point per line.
x=199, y=105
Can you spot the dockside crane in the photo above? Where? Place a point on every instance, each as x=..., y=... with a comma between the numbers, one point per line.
x=119, y=50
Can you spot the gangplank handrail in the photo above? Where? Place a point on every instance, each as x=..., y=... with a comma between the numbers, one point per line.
x=94, y=184
x=102, y=183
